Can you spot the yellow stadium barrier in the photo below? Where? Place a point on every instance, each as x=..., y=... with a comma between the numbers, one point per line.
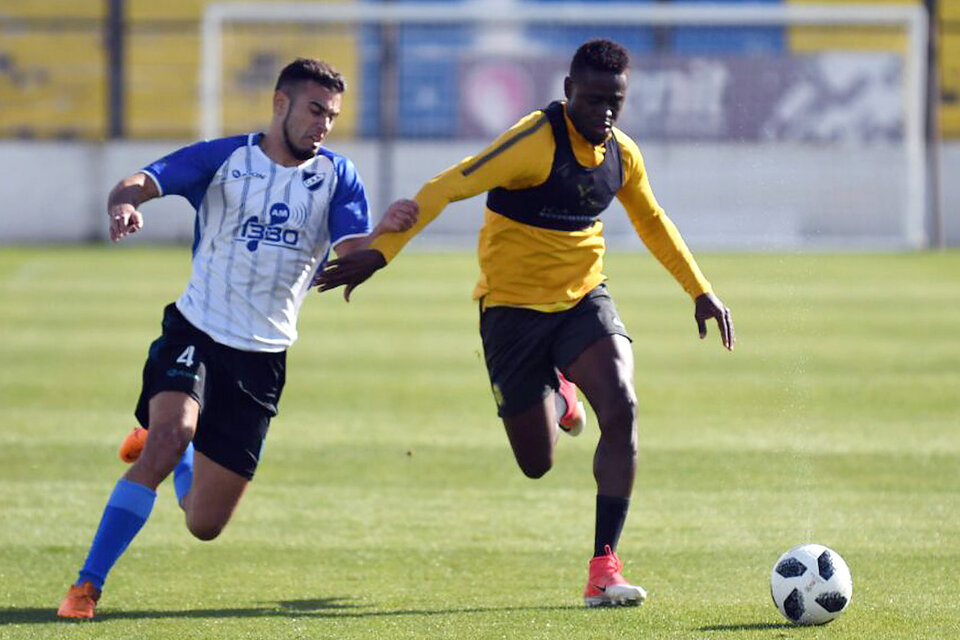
x=52, y=84
x=253, y=57
x=161, y=95
x=806, y=39
x=54, y=9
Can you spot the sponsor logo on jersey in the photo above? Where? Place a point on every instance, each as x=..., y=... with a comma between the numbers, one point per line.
x=273, y=233
x=313, y=180
x=237, y=174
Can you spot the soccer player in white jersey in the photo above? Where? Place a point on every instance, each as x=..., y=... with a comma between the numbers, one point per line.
x=269, y=207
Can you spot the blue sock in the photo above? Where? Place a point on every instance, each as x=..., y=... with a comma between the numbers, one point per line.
x=183, y=474
x=127, y=509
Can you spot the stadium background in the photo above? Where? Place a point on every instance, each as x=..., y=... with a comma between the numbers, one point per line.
x=80, y=108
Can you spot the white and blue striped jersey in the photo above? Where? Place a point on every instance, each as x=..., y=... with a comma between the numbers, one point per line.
x=261, y=232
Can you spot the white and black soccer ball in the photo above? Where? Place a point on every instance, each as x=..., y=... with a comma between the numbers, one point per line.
x=811, y=584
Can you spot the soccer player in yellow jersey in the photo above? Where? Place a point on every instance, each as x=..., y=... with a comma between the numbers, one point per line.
x=546, y=317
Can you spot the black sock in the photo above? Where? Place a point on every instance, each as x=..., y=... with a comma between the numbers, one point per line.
x=611, y=514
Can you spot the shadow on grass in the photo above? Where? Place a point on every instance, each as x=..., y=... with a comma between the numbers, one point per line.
x=758, y=626
x=318, y=608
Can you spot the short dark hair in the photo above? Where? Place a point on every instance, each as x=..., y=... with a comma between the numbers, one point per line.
x=303, y=69
x=600, y=55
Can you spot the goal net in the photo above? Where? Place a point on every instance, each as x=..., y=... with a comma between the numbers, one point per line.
x=763, y=126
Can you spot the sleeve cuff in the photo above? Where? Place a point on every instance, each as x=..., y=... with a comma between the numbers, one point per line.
x=152, y=177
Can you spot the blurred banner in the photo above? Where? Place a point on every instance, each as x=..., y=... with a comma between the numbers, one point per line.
x=828, y=97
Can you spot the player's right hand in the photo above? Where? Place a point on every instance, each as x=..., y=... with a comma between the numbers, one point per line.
x=400, y=216
x=707, y=306
x=124, y=220
x=350, y=271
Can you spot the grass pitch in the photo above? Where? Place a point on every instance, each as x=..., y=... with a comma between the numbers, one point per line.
x=388, y=504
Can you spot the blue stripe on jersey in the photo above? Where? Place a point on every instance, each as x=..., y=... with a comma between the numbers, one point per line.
x=228, y=274
x=189, y=171
x=278, y=276
x=255, y=258
x=199, y=222
x=349, y=214
x=212, y=247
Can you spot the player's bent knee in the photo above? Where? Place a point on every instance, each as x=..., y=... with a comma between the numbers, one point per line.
x=535, y=473
x=170, y=438
x=536, y=469
x=164, y=447
x=206, y=534
x=204, y=529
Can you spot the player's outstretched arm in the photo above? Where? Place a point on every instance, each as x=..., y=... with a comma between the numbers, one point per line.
x=123, y=201
x=356, y=262
x=399, y=216
x=707, y=306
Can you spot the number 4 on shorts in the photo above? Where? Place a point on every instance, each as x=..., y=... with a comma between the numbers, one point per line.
x=187, y=356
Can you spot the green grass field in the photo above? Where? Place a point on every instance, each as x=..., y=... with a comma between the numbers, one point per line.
x=388, y=504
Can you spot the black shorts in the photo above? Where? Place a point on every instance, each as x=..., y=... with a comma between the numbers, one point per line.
x=524, y=348
x=238, y=391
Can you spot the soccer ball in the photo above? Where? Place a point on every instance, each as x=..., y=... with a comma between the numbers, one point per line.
x=811, y=584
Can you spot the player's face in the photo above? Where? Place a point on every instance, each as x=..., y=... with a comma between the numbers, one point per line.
x=594, y=100
x=311, y=112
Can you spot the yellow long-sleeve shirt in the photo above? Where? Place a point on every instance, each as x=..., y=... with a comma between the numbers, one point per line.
x=547, y=269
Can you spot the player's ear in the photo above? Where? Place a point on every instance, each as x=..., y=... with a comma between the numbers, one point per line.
x=567, y=87
x=281, y=102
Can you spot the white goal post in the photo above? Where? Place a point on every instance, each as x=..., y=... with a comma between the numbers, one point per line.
x=911, y=20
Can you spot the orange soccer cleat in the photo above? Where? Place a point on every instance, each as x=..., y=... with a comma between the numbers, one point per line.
x=574, y=419
x=607, y=587
x=132, y=445
x=80, y=602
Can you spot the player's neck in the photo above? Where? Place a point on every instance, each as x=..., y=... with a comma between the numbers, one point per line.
x=274, y=147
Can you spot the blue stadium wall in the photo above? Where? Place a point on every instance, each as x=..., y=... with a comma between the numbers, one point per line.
x=428, y=71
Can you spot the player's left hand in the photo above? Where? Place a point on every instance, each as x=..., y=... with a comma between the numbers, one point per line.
x=710, y=306
x=124, y=220
x=399, y=216
x=350, y=271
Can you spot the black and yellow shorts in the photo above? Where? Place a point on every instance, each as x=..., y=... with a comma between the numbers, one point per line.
x=524, y=348
x=238, y=391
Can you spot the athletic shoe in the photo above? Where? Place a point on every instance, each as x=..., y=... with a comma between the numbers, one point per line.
x=573, y=421
x=132, y=445
x=607, y=587
x=80, y=602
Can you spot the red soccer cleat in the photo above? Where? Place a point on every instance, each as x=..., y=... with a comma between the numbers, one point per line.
x=80, y=602
x=607, y=587
x=575, y=418
x=132, y=445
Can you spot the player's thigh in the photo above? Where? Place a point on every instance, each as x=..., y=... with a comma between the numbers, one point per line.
x=240, y=406
x=516, y=347
x=173, y=421
x=604, y=371
x=213, y=497
x=592, y=348
x=173, y=418
x=173, y=414
x=227, y=449
x=177, y=361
